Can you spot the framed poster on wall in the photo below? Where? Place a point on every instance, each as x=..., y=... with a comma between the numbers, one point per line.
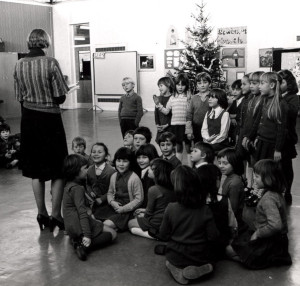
x=172, y=58
x=146, y=62
x=233, y=57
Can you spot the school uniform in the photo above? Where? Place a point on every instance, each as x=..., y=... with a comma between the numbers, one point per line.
x=147, y=183
x=271, y=134
x=188, y=233
x=174, y=161
x=161, y=118
x=127, y=189
x=158, y=199
x=97, y=187
x=217, y=122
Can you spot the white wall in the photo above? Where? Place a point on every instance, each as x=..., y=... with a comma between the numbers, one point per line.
x=143, y=25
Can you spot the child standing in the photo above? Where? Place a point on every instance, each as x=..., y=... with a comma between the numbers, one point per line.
x=268, y=244
x=159, y=196
x=269, y=129
x=188, y=227
x=167, y=145
x=198, y=107
x=125, y=193
x=130, y=109
x=162, y=121
x=85, y=232
x=9, y=149
x=216, y=122
x=144, y=155
x=98, y=179
x=231, y=167
x=178, y=104
x=202, y=154
x=289, y=89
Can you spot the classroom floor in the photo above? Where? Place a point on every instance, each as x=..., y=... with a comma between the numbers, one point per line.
x=31, y=257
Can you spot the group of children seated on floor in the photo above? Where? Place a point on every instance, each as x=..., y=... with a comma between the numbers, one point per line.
x=200, y=213
x=9, y=146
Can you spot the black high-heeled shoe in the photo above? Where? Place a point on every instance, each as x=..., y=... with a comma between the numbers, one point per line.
x=43, y=221
x=53, y=222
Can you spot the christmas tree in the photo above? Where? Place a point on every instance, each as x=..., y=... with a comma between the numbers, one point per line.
x=201, y=53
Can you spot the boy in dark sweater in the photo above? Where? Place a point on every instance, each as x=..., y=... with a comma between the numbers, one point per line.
x=130, y=107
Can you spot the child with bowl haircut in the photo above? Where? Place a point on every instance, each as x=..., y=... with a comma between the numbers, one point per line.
x=130, y=109
x=202, y=154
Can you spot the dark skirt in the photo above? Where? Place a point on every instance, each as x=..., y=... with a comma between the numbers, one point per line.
x=43, y=145
x=264, y=150
x=263, y=252
x=183, y=255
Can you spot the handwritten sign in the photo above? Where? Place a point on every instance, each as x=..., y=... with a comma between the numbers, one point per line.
x=99, y=55
x=232, y=36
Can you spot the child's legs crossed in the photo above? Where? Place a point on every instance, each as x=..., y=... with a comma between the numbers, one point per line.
x=110, y=224
x=133, y=223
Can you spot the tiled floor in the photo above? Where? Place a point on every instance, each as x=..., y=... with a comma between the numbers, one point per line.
x=31, y=257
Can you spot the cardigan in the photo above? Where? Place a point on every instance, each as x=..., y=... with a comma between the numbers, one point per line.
x=39, y=82
x=99, y=184
x=135, y=191
x=270, y=216
x=160, y=118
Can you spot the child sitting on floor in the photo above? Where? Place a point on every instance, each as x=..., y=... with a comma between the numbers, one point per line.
x=125, y=193
x=202, y=154
x=85, y=232
x=159, y=196
x=167, y=145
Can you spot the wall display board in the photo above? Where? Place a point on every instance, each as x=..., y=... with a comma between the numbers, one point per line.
x=109, y=70
x=233, y=57
x=172, y=58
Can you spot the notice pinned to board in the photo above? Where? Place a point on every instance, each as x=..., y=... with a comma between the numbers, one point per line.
x=99, y=55
x=232, y=36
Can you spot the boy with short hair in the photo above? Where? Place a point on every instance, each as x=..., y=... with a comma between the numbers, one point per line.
x=167, y=144
x=9, y=146
x=79, y=146
x=202, y=154
x=130, y=109
x=141, y=136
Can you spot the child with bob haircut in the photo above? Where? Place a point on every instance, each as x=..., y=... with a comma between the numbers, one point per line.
x=188, y=227
x=232, y=168
x=144, y=155
x=202, y=154
x=163, y=121
x=268, y=244
x=130, y=111
x=141, y=135
x=85, y=232
x=216, y=122
x=198, y=107
x=159, y=196
x=125, y=193
x=167, y=145
x=289, y=89
x=178, y=104
x=98, y=179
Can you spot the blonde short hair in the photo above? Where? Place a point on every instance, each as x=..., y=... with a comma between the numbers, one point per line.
x=128, y=79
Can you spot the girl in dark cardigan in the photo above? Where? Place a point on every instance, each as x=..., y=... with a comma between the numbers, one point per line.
x=159, y=196
x=85, y=232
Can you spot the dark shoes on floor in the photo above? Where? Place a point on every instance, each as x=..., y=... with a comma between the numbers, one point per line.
x=183, y=276
x=81, y=253
x=160, y=249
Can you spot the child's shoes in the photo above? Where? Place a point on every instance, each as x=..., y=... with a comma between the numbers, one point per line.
x=195, y=272
x=177, y=273
x=81, y=252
